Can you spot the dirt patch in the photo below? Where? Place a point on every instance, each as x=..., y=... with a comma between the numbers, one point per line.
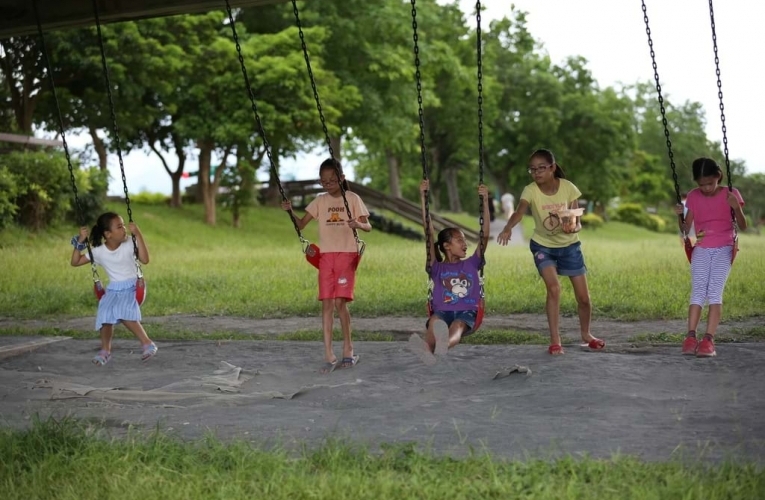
x=656, y=405
x=610, y=330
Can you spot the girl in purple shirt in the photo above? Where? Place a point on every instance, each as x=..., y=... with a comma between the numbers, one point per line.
x=456, y=286
x=709, y=209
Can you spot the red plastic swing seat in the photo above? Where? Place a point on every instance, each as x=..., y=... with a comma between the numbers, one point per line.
x=98, y=289
x=140, y=290
x=688, y=246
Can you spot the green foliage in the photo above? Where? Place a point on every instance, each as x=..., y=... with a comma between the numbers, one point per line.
x=8, y=194
x=147, y=198
x=42, y=192
x=591, y=221
x=633, y=213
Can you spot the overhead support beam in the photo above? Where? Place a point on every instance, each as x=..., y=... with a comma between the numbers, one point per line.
x=17, y=16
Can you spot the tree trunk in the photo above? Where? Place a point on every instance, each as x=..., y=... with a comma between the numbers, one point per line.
x=394, y=183
x=208, y=198
x=450, y=177
x=100, y=147
x=175, y=176
x=336, y=142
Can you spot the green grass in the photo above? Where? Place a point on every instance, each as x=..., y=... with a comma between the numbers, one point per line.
x=160, y=332
x=259, y=271
x=70, y=460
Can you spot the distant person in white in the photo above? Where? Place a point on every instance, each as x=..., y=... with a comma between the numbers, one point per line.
x=508, y=202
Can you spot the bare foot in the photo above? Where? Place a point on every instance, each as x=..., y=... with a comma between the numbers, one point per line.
x=421, y=349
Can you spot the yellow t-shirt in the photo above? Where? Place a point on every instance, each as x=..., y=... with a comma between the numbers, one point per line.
x=329, y=212
x=548, y=229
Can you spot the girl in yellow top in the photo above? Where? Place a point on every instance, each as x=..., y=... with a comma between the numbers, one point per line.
x=555, y=244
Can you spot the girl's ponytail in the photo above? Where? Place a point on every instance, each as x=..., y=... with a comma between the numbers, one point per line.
x=103, y=224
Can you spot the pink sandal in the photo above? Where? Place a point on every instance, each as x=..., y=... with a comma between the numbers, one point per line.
x=555, y=349
x=149, y=350
x=102, y=358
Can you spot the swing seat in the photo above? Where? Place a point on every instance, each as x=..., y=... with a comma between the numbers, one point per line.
x=690, y=246
x=140, y=290
x=478, y=316
x=313, y=255
x=98, y=289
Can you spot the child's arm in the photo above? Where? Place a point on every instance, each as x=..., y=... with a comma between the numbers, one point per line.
x=483, y=192
x=143, y=252
x=301, y=222
x=738, y=210
x=686, y=222
x=360, y=222
x=427, y=223
x=78, y=259
x=504, y=236
x=578, y=226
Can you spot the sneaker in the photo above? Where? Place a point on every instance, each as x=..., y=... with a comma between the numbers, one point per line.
x=706, y=348
x=690, y=344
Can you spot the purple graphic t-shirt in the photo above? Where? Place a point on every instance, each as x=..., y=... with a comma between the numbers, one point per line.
x=456, y=285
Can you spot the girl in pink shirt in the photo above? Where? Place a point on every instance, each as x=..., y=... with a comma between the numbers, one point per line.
x=709, y=209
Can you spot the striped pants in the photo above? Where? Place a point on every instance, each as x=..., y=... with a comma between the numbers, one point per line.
x=709, y=272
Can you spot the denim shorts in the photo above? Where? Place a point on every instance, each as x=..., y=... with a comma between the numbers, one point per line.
x=449, y=317
x=569, y=260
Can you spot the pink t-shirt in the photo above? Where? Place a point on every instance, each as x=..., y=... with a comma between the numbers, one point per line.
x=329, y=212
x=712, y=217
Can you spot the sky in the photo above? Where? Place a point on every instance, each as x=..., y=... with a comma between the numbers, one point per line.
x=611, y=35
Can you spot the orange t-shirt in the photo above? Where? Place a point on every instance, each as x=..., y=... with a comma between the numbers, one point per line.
x=329, y=212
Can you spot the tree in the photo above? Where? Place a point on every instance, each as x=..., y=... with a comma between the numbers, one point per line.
x=23, y=71
x=752, y=189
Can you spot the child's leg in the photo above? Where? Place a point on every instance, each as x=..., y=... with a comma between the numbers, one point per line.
x=718, y=276
x=148, y=347
x=456, y=330
x=694, y=316
x=583, y=305
x=430, y=334
x=137, y=329
x=107, y=332
x=327, y=323
x=552, y=305
x=701, y=267
x=341, y=305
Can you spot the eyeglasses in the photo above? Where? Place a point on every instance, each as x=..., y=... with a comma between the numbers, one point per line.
x=540, y=168
x=329, y=182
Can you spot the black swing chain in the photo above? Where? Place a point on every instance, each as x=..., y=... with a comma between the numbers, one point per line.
x=479, y=60
x=663, y=112
x=722, y=109
x=261, y=129
x=115, y=129
x=423, y=151
x=77, y=204
x=296, y=12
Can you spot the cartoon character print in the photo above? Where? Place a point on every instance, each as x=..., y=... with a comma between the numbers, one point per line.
x=456, y=287
x=335, y=216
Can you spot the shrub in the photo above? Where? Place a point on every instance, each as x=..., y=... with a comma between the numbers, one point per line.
x=146, y=198
x=43, y=189
x=8, y=193
x=592, y=221
x=633, y=213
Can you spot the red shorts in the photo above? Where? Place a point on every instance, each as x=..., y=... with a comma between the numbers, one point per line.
x=337, y=275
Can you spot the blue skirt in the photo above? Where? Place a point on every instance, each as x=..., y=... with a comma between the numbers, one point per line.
x=118, y=304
